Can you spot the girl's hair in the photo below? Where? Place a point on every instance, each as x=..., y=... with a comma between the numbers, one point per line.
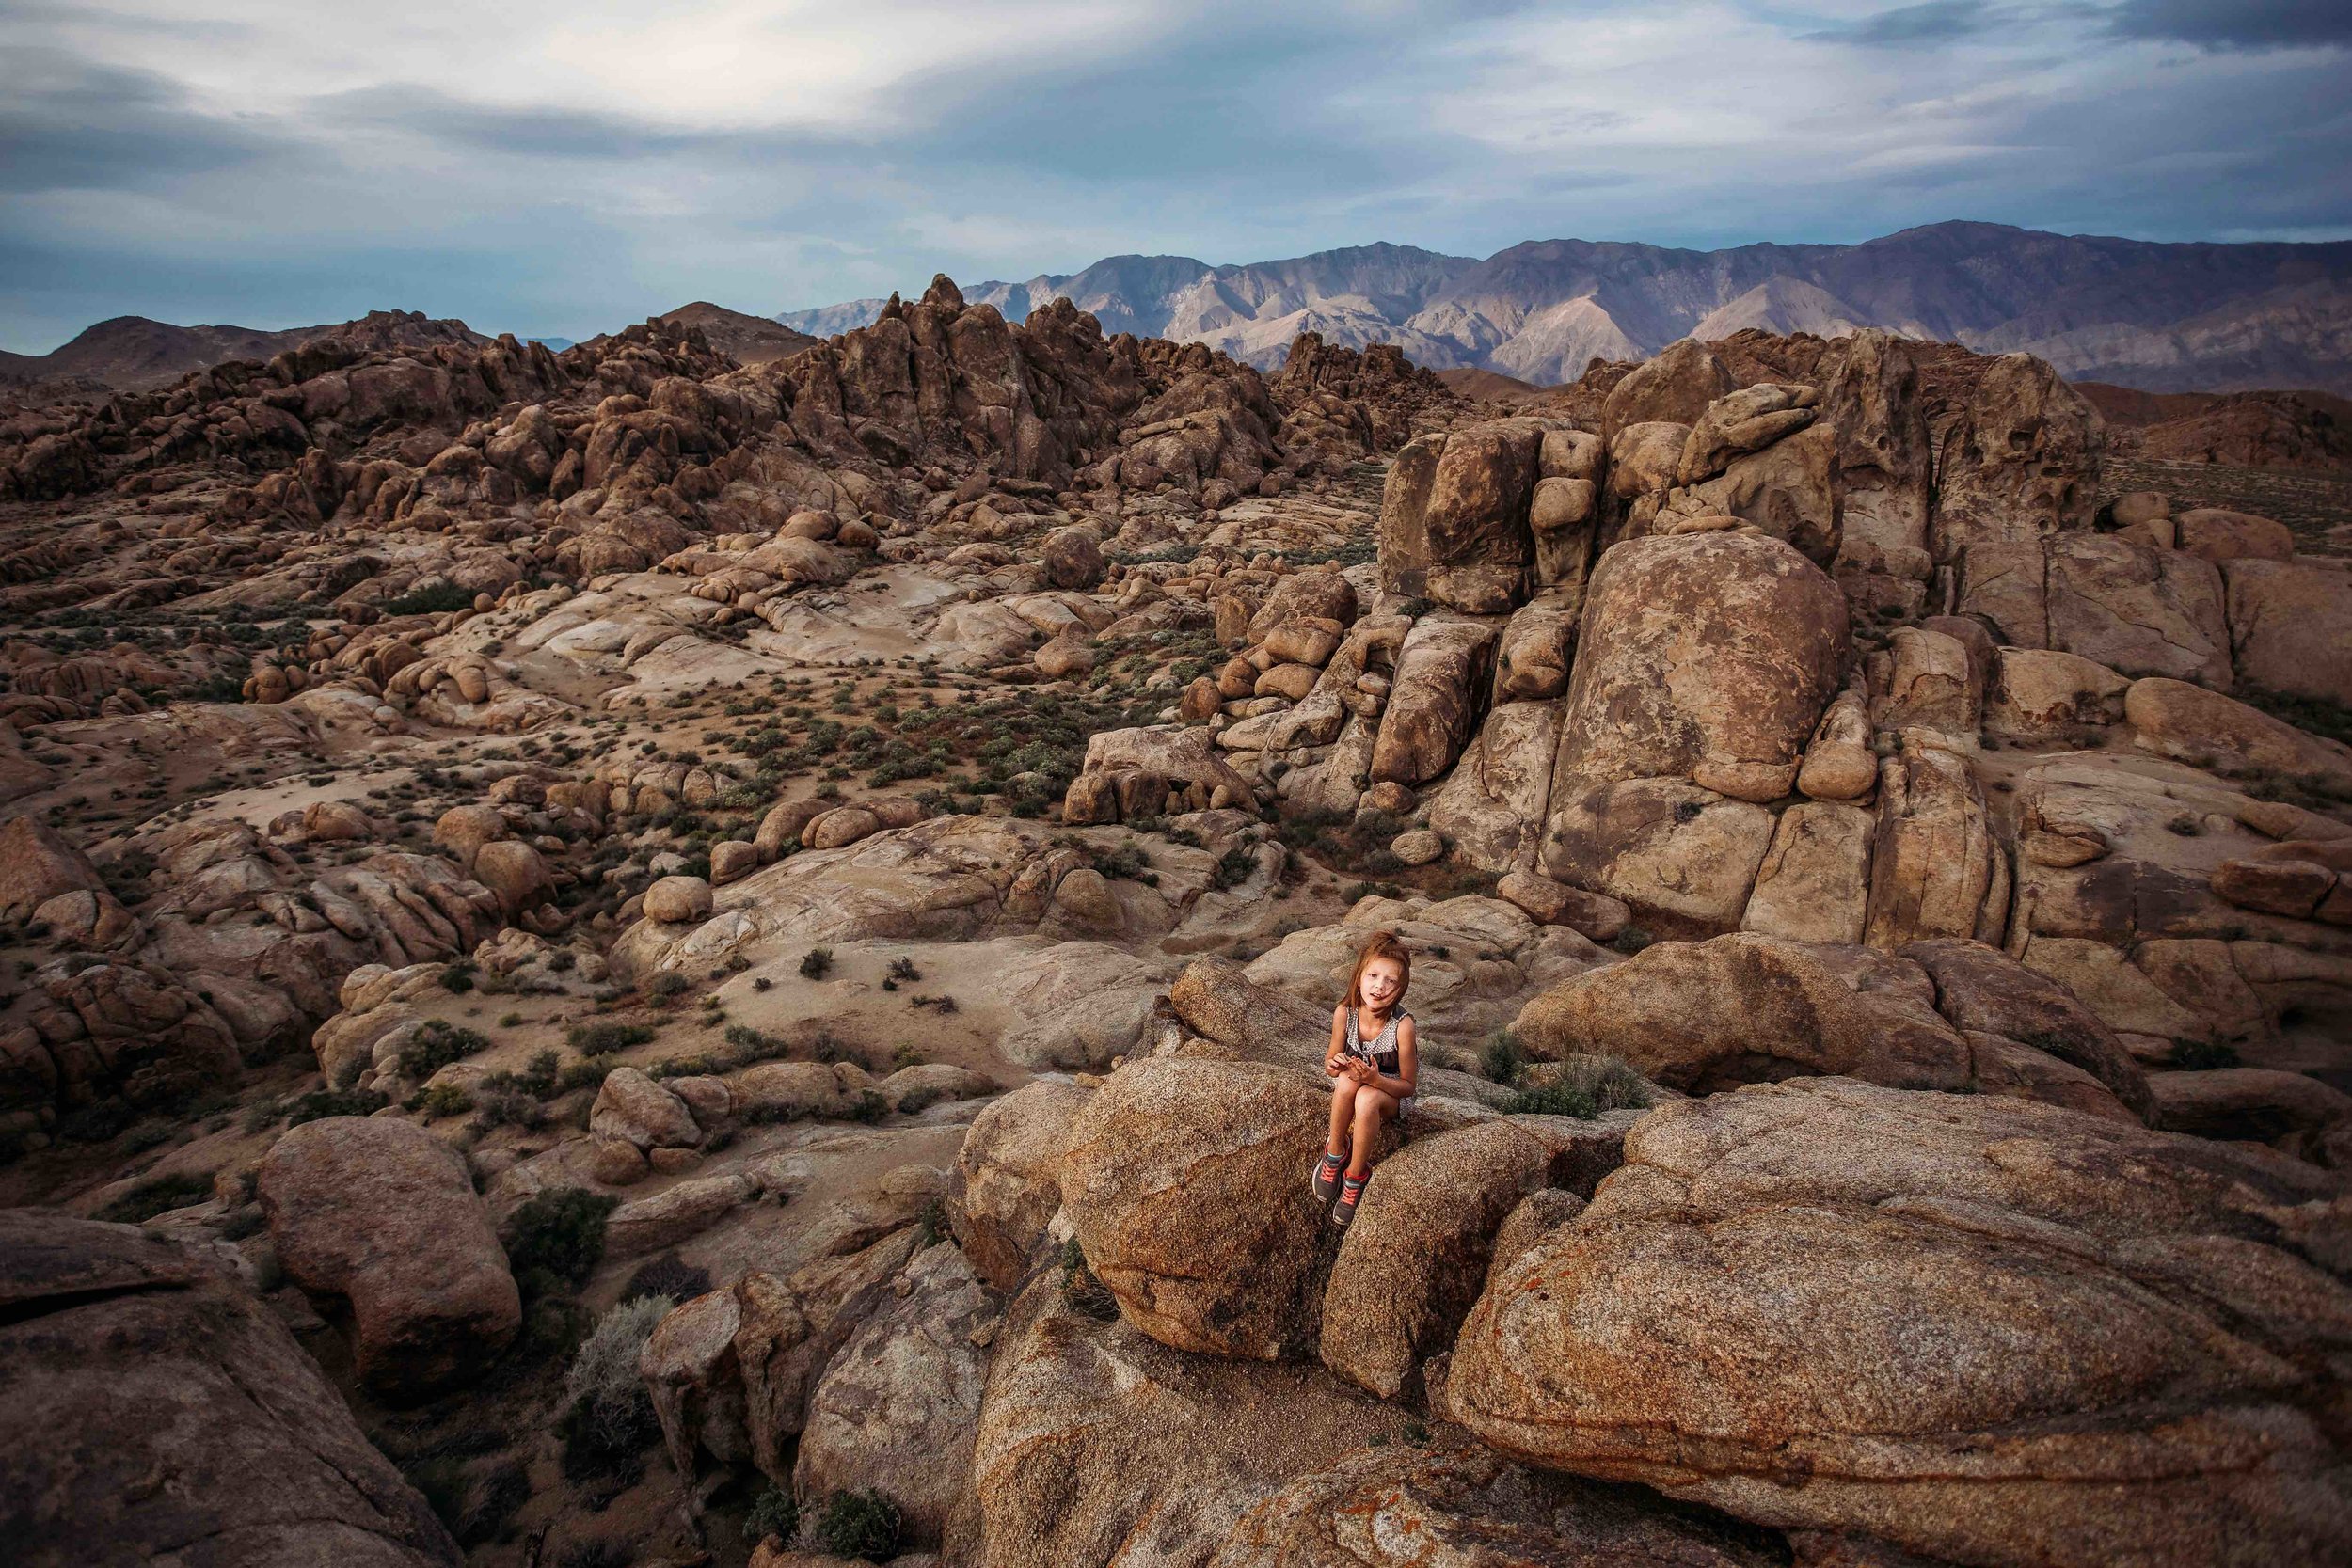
x=1384, y=944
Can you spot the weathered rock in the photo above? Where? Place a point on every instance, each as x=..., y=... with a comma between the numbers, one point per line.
x=381, y=1212
x=899, y=1401
x=1012, y=1164
x=1707, y=1016
x=1491, y=806
x=1982, y=990
x=1704, y=649
x=2021, y=461
x=1938, y=867
x=1183, y=1181
x=1440, y=677
x=1453, y=517
x=1884, y=462
x=2090, y=1343
x=2216, y=534
x=1814, y=883
x=1678, y=383
x=1592, y=914
x=674, y=900
x=158, y=1412
x=2174, y=719
x=1074, y=558
x=1658, y=844
x=632, y=1107
x=2291, y=626
x=2290, y=1111
x=1460, y=1505
x=2040, y=694
x=1930, y=685
x=1097, y=1444
x=1414, y=1256
x=37, y=866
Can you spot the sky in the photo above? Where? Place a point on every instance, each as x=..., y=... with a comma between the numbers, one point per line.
x=564, y=168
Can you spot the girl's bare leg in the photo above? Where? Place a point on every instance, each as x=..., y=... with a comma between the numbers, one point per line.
x=1343, y=1113
x=1373, y=1107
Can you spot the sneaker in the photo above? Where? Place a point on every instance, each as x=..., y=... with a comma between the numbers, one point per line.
x=1351, y=1191
x=1326, y=1182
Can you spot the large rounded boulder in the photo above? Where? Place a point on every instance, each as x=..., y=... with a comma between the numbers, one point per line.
x=1185, y=1182
x=1981, y=1330
x=381, y=1212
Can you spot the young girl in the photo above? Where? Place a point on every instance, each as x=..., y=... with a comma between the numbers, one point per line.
x=1373, y=1067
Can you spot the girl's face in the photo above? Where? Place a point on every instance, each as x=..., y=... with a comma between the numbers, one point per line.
x=1383, y=980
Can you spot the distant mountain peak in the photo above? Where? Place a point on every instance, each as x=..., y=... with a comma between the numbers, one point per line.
x=2139, y=313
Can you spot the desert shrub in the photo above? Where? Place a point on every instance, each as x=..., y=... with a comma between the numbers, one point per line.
x=321, y=1103
x=1084, y=1293
x=931, y=1226
x=495, y=1497
x=602, y=1040
x=436, y=1045
x=458, y=977
x=441, y=1480
x=1553, y=1099
x=1504, y=1059
x=441, y=1100
x=919, y=1099
x=1584, y=1086
x=596, y=1554
x=440, y=599
x=859, y=1524
x=609, y=1417
x=1233, y=868
x=903, y=968
x=667, y=1276
x=816, y=963
x=774, y=1511
x=560, y=1233
x=96, y=1122
x=158, y=1195
x=870, y=1107
x=587, y=1073
x=1613, y=1086
x=1631, y=939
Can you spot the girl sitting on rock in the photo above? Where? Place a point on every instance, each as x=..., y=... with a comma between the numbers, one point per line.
x=1372, y=1067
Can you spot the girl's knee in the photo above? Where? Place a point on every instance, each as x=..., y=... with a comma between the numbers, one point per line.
x=1372, y=1105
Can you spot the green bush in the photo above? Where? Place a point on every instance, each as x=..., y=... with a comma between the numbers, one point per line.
x=870, y=1108
x=859, y=1524
x=321, y=1103
x=1584, y=1086
x=1504, y=1060
x=561, y=1232
x=458, y=977
x=667, y=1276
x=1553, y=1099
x=440, y=599
x=602, y=1040
x=816, y=963
x=1631, y=939
x=437, y=1044
x=773, y=1512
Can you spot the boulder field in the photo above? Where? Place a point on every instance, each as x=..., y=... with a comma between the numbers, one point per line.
x=620, y=956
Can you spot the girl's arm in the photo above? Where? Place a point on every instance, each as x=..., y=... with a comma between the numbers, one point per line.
x=1331, y=1058
x=1407, y=1064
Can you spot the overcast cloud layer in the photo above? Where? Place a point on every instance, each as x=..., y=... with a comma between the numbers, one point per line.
x=564, y=168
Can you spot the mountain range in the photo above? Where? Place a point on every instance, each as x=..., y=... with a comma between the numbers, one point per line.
x=2161, y=317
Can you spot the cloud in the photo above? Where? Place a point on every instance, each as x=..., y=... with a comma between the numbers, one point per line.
x=2242, y=25
x=560, y=168
x=1906, y=27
